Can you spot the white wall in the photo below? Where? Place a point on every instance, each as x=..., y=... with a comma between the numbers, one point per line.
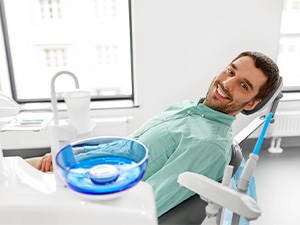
x=180, y=45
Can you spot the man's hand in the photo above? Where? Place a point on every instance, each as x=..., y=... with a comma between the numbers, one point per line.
x=45, y=165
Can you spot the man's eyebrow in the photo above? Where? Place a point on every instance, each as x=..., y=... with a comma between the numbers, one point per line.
x=245, y=79
x=249, y=83
x=233, y=66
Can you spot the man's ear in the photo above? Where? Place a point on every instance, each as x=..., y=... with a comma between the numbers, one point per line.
x=251, y=105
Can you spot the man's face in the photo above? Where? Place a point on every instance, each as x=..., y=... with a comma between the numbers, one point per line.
x=234, y=89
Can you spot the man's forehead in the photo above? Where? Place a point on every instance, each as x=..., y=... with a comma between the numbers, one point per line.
x=243, y=60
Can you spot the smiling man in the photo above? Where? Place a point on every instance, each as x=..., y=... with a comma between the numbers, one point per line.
x=237, y=87
x=198, y=137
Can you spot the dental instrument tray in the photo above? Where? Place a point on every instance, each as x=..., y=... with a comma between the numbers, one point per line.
x=102, y=166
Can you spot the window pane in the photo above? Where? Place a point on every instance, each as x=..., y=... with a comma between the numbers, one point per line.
x=90, y=38
x=289, y=51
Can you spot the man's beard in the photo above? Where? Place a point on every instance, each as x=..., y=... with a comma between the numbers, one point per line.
x=227, y=107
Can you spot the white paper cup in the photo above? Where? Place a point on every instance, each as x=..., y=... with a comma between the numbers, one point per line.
x=78, y=107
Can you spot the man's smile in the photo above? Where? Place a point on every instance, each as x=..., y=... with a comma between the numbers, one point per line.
x=220, y=93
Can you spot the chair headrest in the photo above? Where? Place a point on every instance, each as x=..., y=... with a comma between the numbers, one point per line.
x=268, y=99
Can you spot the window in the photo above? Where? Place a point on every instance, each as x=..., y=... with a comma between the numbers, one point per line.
x=90, y=38
x=289, y=50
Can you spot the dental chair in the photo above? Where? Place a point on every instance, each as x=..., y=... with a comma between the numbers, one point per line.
x=193, y=210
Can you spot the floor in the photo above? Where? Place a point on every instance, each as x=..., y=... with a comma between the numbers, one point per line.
x=278, y=186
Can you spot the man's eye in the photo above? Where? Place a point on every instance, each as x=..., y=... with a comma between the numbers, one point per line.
x=244, y=86
x=230, y=71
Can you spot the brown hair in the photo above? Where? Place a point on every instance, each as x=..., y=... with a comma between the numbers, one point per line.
x=268, y=67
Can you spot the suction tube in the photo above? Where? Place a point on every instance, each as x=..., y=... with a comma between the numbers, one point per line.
x=248, y=171
x=253, y=158
x=262, y=134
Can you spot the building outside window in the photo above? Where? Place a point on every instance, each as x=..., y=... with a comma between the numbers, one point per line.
x=90, y=38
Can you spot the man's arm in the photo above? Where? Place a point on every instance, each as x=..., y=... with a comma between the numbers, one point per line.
x=205, y=158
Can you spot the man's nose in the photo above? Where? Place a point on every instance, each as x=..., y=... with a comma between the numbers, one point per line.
x=229, y=83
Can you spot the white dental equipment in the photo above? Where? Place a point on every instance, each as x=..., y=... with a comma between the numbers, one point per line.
x=8, y=107
x=29, y=196
x=219, y=195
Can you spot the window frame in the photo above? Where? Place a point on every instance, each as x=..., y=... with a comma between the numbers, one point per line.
x=10, y=66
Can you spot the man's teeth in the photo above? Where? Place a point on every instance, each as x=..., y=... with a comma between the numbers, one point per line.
x=221, y=93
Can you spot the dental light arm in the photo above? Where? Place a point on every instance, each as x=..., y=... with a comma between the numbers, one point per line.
x=221, y=196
